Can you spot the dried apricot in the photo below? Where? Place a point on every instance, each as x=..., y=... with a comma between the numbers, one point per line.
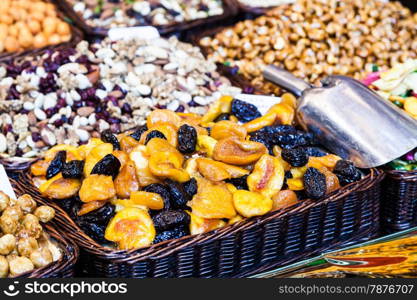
x=39, y=168
x=160, y=145
x=167, y=129
x=329, y=161
x=284, y=113
x=295, y=184
x=97, y=188
x=218, y=171
x=332, y=181
x=60, y=188
x=90, y=206
x=289, y=99
x=206, y=144
x=126, y=182
x=258, y=123
x=168, y=165
x=140, y=157
x=200, y=225
x=267, y=176
x=121, y=156
x=131, y=228
x=212, y=201
x=234, y=220
x=222, y=105
x=250, y=204
x=284, y=199
x=128, y=143
x=163, y=116
x=84, y=150
x=238, y=152
x=225, y=129
x=150, y=200
x=72, y=152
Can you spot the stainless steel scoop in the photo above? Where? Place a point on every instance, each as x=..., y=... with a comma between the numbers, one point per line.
x=350, y=119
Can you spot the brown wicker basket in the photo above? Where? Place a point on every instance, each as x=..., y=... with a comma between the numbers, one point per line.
x=64, y=267
x=76, y=37
x=229, y=9
x=253, y=245
x=399, y=201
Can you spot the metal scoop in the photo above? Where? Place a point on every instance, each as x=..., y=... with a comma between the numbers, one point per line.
x=350, y=119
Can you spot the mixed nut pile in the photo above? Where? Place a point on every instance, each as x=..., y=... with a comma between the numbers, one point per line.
x=30, y=24
x=185, y=173
x=398, y=85
x=70, y=95
x=315, y=38
x=24, y=245
x=264, y=3
x=121, y=13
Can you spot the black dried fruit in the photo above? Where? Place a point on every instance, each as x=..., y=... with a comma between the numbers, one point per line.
x=288, y=174
x=315, y=151
x=263, y=138
x=108, y=165
x=346, y=172
x=95, y=231
x=222, y=117
x=179, y=197
x=68, y=203
x=293, y=140
x=314, y=183
x=162, y=190
x=56, y=164
x=169, y=219
x=296, y=157
x=240, y=183
x=244, y=111
x=301, y=195
x=102, y=216
x=154, y=134
x=138, y=132
x=73, y=169
x=190, y=187
x=108, y=137
x=175, y=233
x=187, y=139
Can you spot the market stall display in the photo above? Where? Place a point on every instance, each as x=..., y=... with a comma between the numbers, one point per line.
x=97, y=17
x=28, y=248
x=72, y=94
x=399, y=85
x=313, y=39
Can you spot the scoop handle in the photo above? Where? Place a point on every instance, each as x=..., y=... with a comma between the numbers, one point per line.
x=285, y=80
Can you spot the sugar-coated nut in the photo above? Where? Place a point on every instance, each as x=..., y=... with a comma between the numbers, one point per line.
x=26, y=203
x=7, y=244
x=4, y=267
x=19, y=265
x=26, y=246
x=41, y=257
x=45, y=213
x=14, y=212
x=8, y=224
x=4, y=201
x=31, y=224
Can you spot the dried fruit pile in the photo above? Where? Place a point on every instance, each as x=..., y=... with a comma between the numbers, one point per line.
x=122, y=13
x=398, y=85
x=184, y=173
x=315, y=38
x=70, y=95
x=30, y=24
x=24, y=245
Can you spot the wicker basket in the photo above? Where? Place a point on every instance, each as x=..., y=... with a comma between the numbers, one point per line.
x=399, y=201
x=76, y=37
x=348, y=215
x=64, y=267
x=229, y=9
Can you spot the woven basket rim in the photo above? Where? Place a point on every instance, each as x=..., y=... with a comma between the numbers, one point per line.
x=229, y=9
x=70, y=251
x=402, y=175
x=166, y=248
x=76, y=37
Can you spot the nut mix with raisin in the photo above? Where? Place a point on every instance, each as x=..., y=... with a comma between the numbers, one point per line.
x=70, y=95
x=122, y=13
x=316, y=38
x=185, y=173
x=24, y=245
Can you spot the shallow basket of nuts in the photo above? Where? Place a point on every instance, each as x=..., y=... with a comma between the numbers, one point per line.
x=31, y=27
x=260, y=7
x=29, y=249
x=97, y=17
x=399, y=206
x=216, y=195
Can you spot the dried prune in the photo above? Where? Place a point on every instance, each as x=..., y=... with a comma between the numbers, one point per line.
x=190, y=187
x=68, y=203
x=108, y=165
x=264, y=138
x=244, y=112
x=101, y=216
x=56, y=164
x=73, y=169
x=314, y=183
x=108, y=137
x=161, y=190
x=95, y=231
x=222, y=117
x=293, y=140
x=346, y=172
x=171, y=234
x=315, y=151
x=240, y=183
x=296, y=157
x=154, y=134
x=169, y=219
x=138, y=132
x=179, y=197
x=187, y=139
